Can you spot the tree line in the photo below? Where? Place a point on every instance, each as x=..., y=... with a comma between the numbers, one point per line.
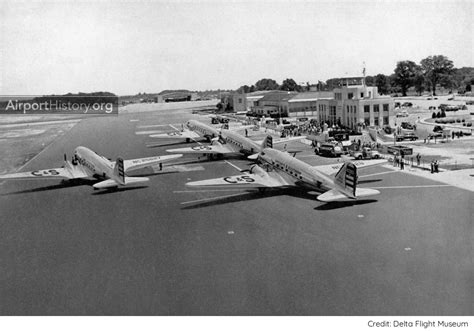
x=428, y=75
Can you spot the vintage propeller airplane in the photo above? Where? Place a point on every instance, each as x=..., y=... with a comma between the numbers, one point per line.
x=87, y=164
x=279, y=169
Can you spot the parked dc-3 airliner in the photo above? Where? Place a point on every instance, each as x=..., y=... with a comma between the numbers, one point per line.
x=86, y=164
x=279, y=169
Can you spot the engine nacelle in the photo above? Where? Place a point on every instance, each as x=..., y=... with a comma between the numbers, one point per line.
x=258, y=171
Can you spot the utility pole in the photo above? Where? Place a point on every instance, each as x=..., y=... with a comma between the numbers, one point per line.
x=363, y=73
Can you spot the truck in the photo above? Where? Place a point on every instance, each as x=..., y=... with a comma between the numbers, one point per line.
x=366, y=153
x=406, y=136
x=329, y=149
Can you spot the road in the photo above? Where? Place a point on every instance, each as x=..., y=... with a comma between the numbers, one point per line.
x=164, y=249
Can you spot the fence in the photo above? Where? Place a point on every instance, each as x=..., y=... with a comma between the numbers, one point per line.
x=425, y=163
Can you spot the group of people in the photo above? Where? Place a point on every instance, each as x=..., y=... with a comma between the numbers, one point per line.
x=399, y=161
x=434, y=166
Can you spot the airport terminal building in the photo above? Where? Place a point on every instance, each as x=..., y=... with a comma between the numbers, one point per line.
x=360, y=105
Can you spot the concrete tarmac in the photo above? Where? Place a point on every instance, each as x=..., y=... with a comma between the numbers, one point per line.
x=165, y=249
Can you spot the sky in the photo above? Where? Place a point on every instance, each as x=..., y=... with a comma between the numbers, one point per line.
x=127, y=47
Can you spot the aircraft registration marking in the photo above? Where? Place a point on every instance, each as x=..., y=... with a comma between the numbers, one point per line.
x=51, y=172
x=356, y=163
x=146, y=160
x=201, y=147
x=239, y=179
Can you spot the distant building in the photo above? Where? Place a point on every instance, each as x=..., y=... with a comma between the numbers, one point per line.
x=305, y=104
x=176, y=96
x=245, y=101
x=239, y=101
x=273, y=104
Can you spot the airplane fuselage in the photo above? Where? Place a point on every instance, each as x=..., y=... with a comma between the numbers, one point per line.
x=202, y=129
x=91, y=163
x=293, y=169
x=239, y=143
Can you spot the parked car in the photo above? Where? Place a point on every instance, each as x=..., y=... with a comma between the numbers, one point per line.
x=402, y=114
x=219, y=119
x=407, y=126
x=388, y=129
x=447, y=107
x=407, y=104
x=366, y=153
x=452, y=108
x=438, y=128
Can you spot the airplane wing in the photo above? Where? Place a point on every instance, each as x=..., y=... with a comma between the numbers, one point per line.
x=202, y=149
x=177, y=134
x=147, y=161
x=334, y=195
x=331, y=169
x=243, y=180
x=46, y=174
x=282, y=140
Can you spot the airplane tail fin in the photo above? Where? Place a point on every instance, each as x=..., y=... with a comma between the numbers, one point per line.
x=345, y=185
x=267, y=142
x=345, y=179
x=119, y=172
